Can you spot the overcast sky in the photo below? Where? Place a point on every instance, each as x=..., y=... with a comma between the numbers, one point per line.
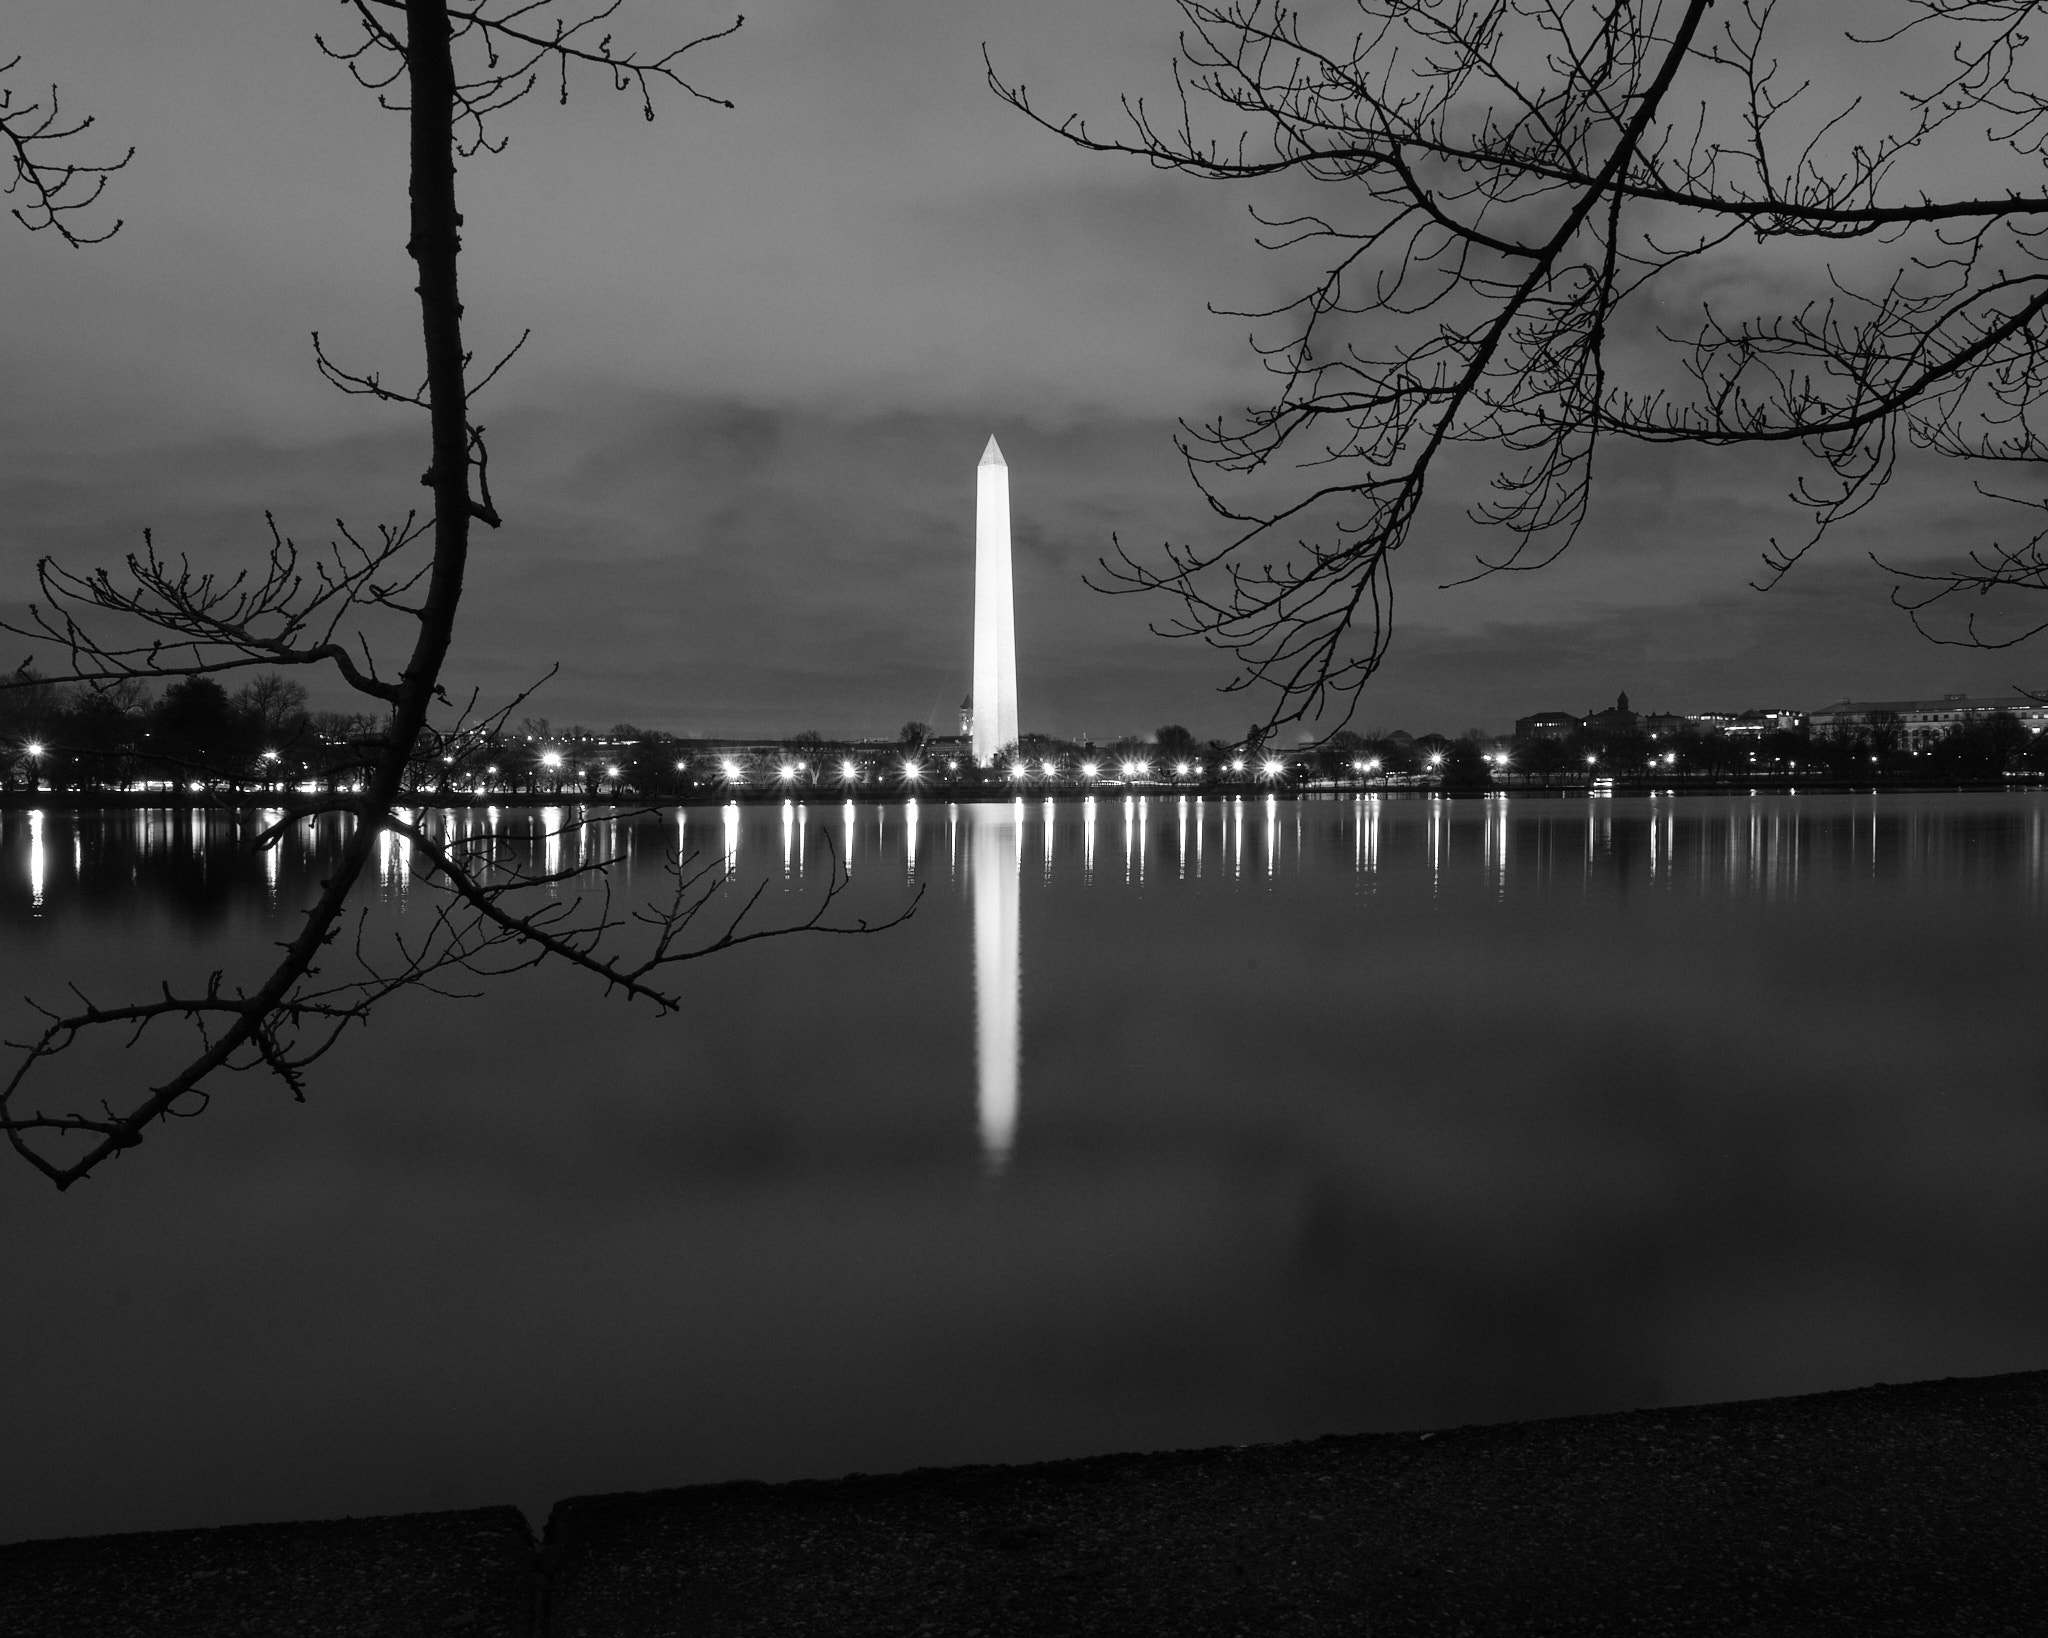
x=737, y=458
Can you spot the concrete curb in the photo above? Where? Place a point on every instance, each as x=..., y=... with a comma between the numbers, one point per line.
x=450, y=1575
x=1884, y=1512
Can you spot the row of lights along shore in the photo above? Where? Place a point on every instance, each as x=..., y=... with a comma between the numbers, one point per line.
x=1019, y=771
x=1022, y=770
x=912, y=771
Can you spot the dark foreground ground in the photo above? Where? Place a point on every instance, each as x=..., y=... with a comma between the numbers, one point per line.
x=1878, y=1511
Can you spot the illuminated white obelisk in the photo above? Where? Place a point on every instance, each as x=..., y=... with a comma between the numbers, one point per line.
x=995, y=618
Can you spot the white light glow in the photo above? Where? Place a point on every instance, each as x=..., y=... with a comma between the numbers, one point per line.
x=35, y=858
x=993, y=862
x=995, y=620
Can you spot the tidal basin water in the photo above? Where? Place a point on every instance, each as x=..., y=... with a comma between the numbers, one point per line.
x=1161, y=1123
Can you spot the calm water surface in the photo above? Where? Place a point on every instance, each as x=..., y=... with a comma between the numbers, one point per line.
x=1161, y=1123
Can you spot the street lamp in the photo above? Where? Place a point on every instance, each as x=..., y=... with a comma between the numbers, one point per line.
x=1090, y=769
x=1274, y=767
x=1134, y=769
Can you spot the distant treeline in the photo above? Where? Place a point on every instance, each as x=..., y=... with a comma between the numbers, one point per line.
x=69, y=736
x=196, y=737
x=1993, y=746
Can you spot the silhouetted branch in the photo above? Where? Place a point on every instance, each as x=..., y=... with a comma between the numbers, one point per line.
x=162, y=617
x=51, y=191
x=1516, y=186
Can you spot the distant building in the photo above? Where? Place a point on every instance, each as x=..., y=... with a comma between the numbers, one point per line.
x=1616, y=719
x=1921, y=722
x=1546, y=725
x=1756, y=724
x=1747, y=724
x=1620, y=719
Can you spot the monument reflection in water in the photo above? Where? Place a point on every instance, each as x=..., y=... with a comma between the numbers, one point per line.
x=995, y=861
x=993, y=865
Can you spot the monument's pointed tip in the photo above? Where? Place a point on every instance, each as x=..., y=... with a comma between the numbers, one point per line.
x=993, y=456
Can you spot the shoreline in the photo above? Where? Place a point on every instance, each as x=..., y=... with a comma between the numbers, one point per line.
x=298, y=802
x=1888, y=1509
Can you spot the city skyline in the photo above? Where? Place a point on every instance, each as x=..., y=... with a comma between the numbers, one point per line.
x=2029, y=704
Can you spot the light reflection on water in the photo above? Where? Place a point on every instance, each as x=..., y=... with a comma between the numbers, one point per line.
x=1751, y=846
x=996, y=861
x=1168, y=1119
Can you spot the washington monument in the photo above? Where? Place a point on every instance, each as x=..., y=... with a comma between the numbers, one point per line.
x=994, y=699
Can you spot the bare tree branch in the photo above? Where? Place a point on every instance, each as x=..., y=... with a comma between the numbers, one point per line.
x=1515, y=184
x=451, y=67
x=53, y=192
